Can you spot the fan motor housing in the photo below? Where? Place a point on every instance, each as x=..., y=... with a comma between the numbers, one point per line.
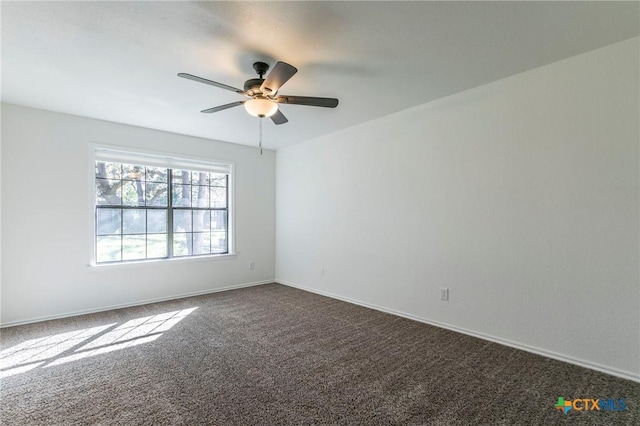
x=253, y=85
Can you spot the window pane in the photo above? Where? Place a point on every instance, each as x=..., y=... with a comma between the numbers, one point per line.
x=108, y=221
x=132, y=172
x=108, y=192
x=156, y=194
x=156, y=245
x=181, y=176
x=201, y=220
x=156, y=174
x=200, y=178
x=182, y=195
x=182, y=220
x=107, y=249
x=218, y=242
x=218, y=197
x=133, y=221
x=200, y=196
x=156, y=221
x=218, y=179
x=133, y=247
x=108, y=170
x=132, y=193
x=182, y=244
x=201, y=243
x=218, y=220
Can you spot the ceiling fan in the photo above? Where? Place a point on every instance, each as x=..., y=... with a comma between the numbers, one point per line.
x=264, y=93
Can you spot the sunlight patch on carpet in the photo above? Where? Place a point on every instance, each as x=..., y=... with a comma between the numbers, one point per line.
x=79, y=344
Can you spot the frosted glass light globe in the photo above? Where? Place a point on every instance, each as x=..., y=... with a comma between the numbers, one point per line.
x=260, y=107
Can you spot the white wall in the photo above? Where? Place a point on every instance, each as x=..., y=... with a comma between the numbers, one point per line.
x=47, y=218
x=520, y=196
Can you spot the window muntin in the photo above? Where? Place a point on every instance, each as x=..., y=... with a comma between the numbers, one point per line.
x=136, y=219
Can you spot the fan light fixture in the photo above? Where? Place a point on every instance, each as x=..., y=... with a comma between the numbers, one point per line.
x=261, y=107
x=262, y=91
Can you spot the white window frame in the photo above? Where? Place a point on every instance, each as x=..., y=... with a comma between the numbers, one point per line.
x=102, y=152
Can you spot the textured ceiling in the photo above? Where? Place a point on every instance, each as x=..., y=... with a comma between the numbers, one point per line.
x=118, y=61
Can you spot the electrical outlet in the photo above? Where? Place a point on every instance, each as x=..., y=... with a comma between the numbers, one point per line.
x=252, y=265
x=444, y=294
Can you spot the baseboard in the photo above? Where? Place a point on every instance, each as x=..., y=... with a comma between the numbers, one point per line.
x=137, y=303
x=538, y=351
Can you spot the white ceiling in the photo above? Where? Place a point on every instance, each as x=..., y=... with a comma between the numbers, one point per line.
x=118, y=61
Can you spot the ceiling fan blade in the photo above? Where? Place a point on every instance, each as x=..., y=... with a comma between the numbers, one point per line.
x=307, y=100
x=210, y=82
x=222, y=107
x=279, y=75
x=279, y=118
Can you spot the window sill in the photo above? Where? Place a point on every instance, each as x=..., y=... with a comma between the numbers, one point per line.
x=156, y=262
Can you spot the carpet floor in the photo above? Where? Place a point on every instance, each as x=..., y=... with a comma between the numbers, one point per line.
x=274, y=355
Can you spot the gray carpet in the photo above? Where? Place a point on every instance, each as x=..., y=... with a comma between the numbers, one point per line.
x=272, y=355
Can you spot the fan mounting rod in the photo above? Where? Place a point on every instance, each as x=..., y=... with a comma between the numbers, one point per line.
x=261, y=68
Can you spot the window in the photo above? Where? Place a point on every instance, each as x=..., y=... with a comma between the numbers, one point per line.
x=159, y=208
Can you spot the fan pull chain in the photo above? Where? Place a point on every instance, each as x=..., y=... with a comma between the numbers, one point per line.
x=260, y=144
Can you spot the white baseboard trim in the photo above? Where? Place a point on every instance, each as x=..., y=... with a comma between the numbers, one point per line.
x=128, y=305
x=538, y=351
